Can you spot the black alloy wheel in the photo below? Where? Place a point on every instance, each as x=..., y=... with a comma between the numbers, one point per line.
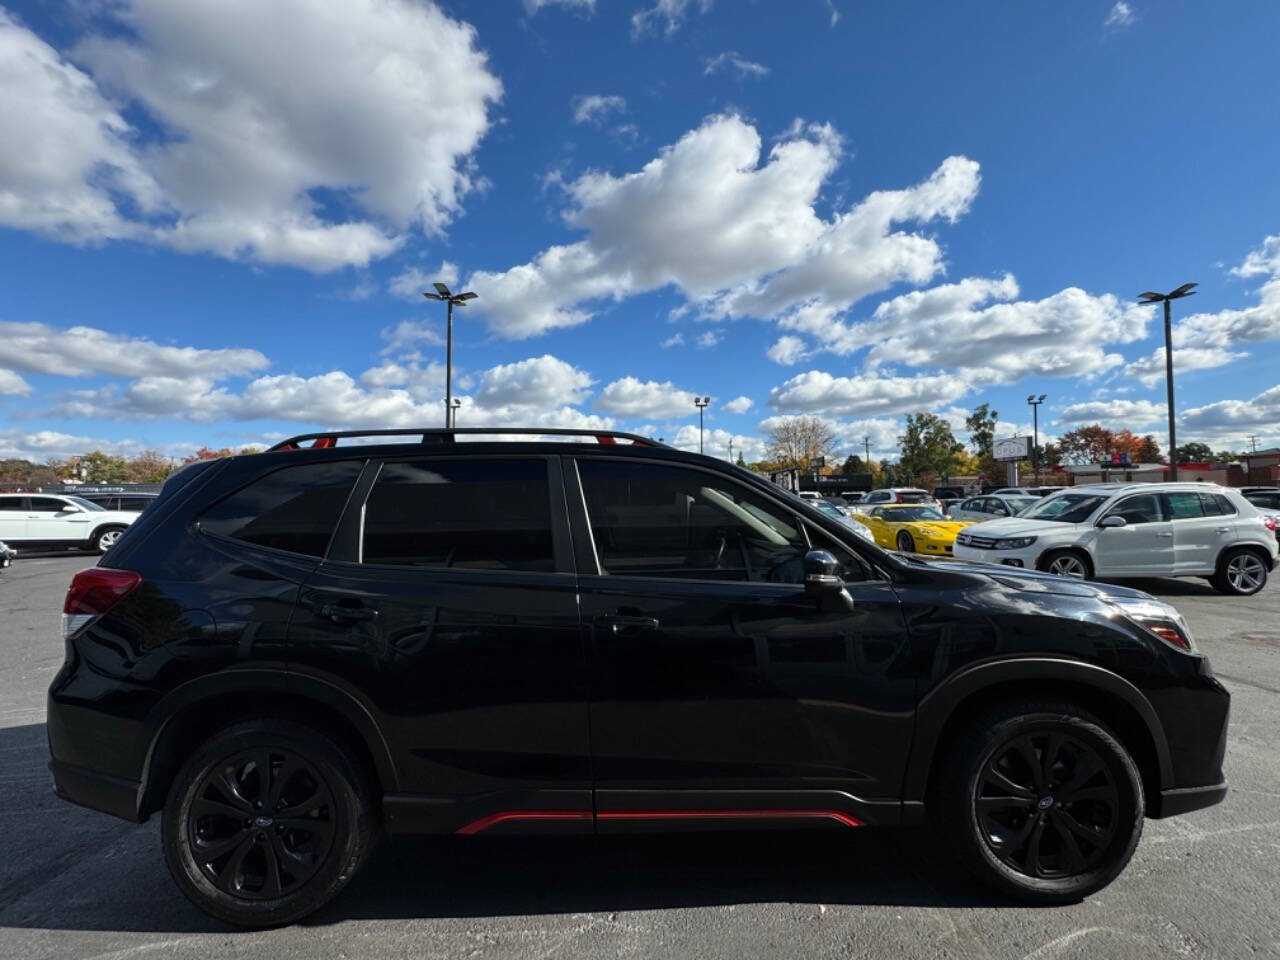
x=906, y=542
x=261, y=823
x=1047, y=806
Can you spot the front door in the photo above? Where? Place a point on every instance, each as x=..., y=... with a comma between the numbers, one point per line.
x=448, y=598
x=51, y=519
x=717, y=680
x=1143, y=547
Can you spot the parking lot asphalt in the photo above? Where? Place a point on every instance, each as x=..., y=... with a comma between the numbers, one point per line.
x=76, y=885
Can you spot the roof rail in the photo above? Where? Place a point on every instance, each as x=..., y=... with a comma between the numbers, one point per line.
x=325, y=439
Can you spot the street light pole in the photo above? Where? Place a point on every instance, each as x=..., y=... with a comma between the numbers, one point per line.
x=1166, y=298
x=1035, y=402
x=731, y=449
x=701, y=403
x=450, y=299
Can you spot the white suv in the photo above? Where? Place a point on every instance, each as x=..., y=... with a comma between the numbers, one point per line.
x=50, y=519
x=1134, y=530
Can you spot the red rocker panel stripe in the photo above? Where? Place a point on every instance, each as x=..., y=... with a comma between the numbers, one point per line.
x=484, y=823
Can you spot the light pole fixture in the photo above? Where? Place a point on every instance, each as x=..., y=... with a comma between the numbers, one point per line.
x=1035, y=402
x=701, y=403
x=1166, y=298
x=451, y=412
x=452, y=299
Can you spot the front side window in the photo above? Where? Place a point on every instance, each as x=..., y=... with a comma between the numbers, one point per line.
x=294, y=509
x=482, y=514
x=49, y=505
x=974, y=505
x=1066, y=508
x=1143, y=508
x=653, y=520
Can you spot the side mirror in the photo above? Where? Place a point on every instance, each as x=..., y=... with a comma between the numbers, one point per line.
x=1113, y=521
x=71, y=508
x=823, y=582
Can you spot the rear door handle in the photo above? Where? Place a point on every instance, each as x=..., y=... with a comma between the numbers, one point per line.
x=620, y=624
x=340, y=612
x=1223, y=530
x=1165, y=534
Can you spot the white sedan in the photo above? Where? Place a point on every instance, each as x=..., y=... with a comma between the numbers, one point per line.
x=52, y=520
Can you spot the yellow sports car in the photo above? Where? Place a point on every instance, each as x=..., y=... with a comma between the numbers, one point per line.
x=912, y=528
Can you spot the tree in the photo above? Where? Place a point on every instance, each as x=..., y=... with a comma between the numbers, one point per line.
x=204, y=453
x=929, y=446
x=795, y=442
x=1149, y=450
x=1194, y=452
x=1090, y=444
x=148, y=467
x=853, y=465
x=981, y=425
x=98, y=467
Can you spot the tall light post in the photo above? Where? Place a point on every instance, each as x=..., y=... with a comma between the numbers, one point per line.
x=1035, y=402
x=451, y=413
x=1166, y=298
x=452, y=299
x=701, y=403
x=731, y=449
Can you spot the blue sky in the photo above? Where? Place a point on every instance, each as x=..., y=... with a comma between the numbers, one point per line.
x=216, y=219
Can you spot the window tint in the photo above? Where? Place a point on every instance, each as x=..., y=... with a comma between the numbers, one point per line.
x=1143, y=508
x=910, y=497
x=47, y=505
x=293, y=509
x=484, y=514
x=997, y=507
x=13, y=504
x=1184, y=506
x=851, y=568
x=134, y=503
x=974, y=504
x=658, y=521
x=1257, y=499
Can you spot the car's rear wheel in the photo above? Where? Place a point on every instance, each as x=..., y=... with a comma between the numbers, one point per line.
x=1067, y=563
x=266, y=823
x=105, y=538
x=1241, y=573
x=906, y=542
x=1041, y=801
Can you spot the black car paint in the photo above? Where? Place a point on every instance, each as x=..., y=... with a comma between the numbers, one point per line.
x=500, y=698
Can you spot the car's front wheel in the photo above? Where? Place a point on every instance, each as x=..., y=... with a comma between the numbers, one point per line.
x=1240, y=573
x=906, y=542
x=1066, y=563
x=1041, y=801
x=266, y=823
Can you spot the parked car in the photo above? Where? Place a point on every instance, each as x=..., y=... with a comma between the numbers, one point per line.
x=1026, y=491
x=899, y=495
x=7, y=555
x=831, y=510
x=131, y=502
x=293, y=651
x=942, y=494
x=1267, y=501
x=52, y=520
x=1135, y=530
x=912, y=528
x=990, y=507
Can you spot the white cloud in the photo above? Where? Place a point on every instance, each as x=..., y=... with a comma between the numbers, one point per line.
x=835, y=14
x=675, y=340
x=1150, y=370
x=1119, y=414
x=738, y=405
x=595, y=107
x=42, y=445
x=542, y=382
x=735, y=236
x=250, y=159
x=411, y=282
x=716, y=443
x=733, y=59
x=787, y=350
x=819, y=392
x=665, y=14
x=1227, y=328
x=709, y=338
x=631, y=397
x=12, y=385
x=76, y=351
x=1238, y=417
x=533, y=6
x=1121, y=15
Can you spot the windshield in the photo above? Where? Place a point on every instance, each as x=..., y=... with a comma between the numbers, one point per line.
x=829, y=509
x=908, y=514
x=87, y=504
x=912, y=496
x=1065, y=507
x=1018, y=504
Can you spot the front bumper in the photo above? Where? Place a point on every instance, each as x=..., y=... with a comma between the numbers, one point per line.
x=1185, y=799
x=1025, y=558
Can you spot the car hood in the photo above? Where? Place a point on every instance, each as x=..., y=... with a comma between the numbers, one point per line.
x=952, y=526
x=1023, y=527
x=1036, y=581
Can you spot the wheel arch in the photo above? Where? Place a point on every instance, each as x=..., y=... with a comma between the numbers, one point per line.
x=197, y=709
x=1077, y=549
x=1243, y=546
x=1117, y=702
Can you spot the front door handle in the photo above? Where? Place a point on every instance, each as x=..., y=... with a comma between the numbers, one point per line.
x=621, y=625
x=1164, y=534
x=1223, y=530
x=343, y=612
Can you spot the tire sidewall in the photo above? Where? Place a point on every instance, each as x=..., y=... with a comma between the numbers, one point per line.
x=350, y=815
x=1129, y=816
x=1223, y=582
x=1054, y=554
x=910, y=542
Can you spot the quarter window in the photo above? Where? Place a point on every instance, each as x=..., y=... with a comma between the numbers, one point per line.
x=483, y=514
x=657, y=521
x=294, y=509
x=13, y=504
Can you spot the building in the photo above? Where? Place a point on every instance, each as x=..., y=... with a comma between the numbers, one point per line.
x=1262, y=467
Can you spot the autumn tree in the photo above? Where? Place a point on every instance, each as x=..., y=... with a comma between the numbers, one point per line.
x=148, y=467
x=1149, y=450
x=929, y=446
x=1091, y=444
x=98, y=467
x=796, y=442
x=205, y=453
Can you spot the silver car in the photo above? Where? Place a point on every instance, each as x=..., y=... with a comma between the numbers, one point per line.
x=993, y=506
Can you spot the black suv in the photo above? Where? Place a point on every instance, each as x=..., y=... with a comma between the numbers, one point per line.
x=293, y=651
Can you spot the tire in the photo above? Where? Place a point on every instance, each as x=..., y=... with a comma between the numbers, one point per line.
x=906, y=542
x=1082, y=839
x=224, y=864
x=104, y=538
x=1062, y=562
x=1241, y=573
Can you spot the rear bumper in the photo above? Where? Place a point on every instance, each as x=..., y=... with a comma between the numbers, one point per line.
x=1185, y=799
x=97, y=791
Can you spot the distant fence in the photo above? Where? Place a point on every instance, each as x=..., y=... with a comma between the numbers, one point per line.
x=80, y=489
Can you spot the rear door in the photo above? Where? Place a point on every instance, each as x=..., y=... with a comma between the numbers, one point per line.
x=1200, y=530
x=1143, y=547
x=13, y=518
x=716, y=678
x=448, y=598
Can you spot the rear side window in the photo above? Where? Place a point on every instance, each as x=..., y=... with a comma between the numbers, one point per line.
x=1258, y=499
x=13, y=504
x=484, y=514
x=1185, y=505
x=294, y=509
x=914, y=498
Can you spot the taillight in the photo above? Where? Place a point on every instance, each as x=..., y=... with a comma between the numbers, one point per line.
x=92, y=593
x=1269, y=523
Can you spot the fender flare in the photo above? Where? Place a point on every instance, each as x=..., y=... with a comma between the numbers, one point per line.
x=270, y=678
x=937, y=707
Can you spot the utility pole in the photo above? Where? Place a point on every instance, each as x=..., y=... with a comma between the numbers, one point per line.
x=866, y=446
x=1035, y=402
x=460, y=299
x=1166, y=298
x=701, y=403
x=731, y=449
x=1253, y=440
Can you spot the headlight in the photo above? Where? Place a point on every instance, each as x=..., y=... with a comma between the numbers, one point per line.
x=1014, y=543
x=1159, y=619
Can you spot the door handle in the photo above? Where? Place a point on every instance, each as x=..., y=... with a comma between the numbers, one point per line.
x=1223, y=530
x=1164, y=534
x=339, y=612
x=620, y=624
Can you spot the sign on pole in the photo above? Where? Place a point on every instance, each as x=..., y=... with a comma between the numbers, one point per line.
x=1012, y=448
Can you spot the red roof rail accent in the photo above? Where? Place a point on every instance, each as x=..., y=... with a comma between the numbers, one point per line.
x=605, y=438
x=324, y=443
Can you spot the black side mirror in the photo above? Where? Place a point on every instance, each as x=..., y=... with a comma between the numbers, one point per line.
x=823, y=582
